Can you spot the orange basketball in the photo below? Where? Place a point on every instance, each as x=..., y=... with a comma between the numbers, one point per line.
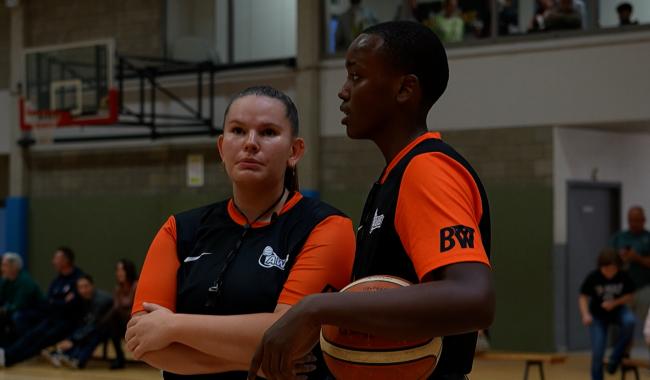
x=355, y=355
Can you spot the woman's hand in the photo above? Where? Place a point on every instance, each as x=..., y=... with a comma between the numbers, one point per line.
x=151, y=331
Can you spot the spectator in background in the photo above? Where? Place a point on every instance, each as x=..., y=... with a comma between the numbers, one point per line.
x=581, y=8
x=75, y=350
x=542, y=9
x=20, y=299
x=508, y=18
x=448, y=24
x=352, y=22
x=624, y=11
x=564, y=16
x=116, y=320
x=63, y=312
x=633, y=245
x=406, y=11
x=603, y=300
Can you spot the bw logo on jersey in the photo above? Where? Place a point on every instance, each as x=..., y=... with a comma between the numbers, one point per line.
x=450, y=235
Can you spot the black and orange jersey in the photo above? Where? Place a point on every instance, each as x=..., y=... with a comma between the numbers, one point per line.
x=307, y=248
x=427, y=210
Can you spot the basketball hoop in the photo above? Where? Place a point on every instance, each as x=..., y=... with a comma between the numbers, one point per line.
x=43, y=129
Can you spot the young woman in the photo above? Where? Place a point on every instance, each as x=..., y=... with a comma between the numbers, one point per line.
x=115, y=322
x=215, y=278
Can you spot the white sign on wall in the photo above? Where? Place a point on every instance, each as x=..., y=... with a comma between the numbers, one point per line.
x=195, y=170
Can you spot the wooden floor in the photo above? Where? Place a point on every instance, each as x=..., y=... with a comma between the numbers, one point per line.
x=576, y=368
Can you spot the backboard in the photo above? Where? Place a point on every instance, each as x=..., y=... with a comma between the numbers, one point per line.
x=68, y=85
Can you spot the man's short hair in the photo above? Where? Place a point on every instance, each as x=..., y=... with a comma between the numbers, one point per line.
x=67, y=252
x=609, y=256
x=14, y=259
x=624, y=7
x=415, y=49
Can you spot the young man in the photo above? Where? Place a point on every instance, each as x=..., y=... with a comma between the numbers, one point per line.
x=425, y=220
x=603, y=300
x=75, y=350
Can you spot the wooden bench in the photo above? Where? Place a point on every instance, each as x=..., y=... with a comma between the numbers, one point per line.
x=530, y=358
x=632, y=365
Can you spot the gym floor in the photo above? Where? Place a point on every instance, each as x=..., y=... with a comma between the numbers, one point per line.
x=575, y=368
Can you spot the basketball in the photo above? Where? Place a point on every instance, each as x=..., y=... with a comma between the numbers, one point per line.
x=356, y=355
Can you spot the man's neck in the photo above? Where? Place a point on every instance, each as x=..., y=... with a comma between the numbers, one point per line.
x=67, y=271
x=397, y=138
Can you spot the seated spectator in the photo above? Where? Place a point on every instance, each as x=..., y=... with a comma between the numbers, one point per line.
x=448, y=24
x=603, y=300
x=351, y=23
x=564, y=16
x=20, y=299
x=76, y=349
x=542, y=9
x=624, y=11
x=116, y=320
x=62, y=313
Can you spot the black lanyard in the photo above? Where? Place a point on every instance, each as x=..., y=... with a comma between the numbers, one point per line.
x=215, y=290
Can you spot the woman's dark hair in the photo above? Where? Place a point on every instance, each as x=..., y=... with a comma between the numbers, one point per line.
x=129, y=269
x=291, y=112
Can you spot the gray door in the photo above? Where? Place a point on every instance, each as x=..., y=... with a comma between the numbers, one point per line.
x=593, y=216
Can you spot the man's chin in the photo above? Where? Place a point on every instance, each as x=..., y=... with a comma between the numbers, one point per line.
x=354, y=134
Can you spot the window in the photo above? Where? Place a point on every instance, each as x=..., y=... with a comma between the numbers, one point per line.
x=228, y=31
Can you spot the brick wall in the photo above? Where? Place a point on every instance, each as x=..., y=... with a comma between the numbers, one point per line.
x=506, y=155
x=123, y=171
x=5, y=28
x=135, y=25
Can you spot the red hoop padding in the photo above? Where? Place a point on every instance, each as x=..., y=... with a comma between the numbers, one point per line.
x=65, y=119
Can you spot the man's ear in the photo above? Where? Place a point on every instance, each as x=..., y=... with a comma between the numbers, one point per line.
x=409, y=88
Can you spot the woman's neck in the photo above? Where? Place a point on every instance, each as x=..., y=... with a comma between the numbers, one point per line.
x=253, y=202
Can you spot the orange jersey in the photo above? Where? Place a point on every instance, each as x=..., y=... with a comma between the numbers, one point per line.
x=324, y=260
x=436, y=208
x=438, y=193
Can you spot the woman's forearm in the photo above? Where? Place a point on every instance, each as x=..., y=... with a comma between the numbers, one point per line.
x=183, y=360
x=230, y=338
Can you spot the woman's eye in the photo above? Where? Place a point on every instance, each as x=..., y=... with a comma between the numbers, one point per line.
x=269, y=132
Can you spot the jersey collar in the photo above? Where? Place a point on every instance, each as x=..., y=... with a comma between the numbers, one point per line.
x=241, y=220
x=405, y=150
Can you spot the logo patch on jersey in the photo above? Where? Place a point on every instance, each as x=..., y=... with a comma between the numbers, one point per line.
x=377, y=220
x=270, y=259
x=449, y=236
x=194, y=258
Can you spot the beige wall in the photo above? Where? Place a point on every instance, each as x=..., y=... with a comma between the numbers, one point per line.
x=581, y=80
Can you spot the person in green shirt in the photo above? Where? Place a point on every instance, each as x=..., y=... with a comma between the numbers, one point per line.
x=20, y=299
x=633, y=245
x=447, y=24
